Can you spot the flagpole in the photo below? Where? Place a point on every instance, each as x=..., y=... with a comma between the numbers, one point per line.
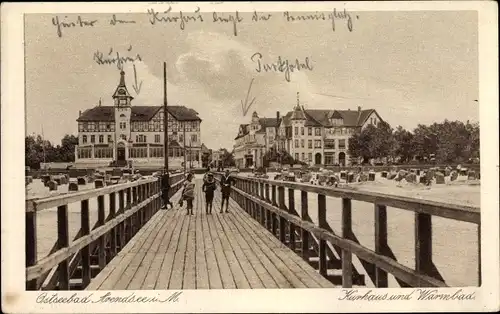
x=184, y=144
x=165, y=116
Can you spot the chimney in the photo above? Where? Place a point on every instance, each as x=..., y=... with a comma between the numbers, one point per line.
x=99, y=102
x=79, y=113
x=359, y=109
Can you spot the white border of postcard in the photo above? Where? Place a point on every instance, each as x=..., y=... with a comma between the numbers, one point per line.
x=16, y=300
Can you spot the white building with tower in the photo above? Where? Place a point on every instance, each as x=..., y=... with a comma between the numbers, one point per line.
x=127, y=134
x=321, y=136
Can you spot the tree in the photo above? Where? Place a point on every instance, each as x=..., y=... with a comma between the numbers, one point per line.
x=403, y=144
x=372, y=142
x=227, y=159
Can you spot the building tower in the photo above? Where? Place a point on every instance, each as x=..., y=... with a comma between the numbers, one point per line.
x=122, y=100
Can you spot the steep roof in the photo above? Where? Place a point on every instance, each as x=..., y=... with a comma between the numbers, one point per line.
x=268, y=122
x=139, y=113
x=321, y=117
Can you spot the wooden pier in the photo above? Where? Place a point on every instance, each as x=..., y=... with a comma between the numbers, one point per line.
x=267, y=240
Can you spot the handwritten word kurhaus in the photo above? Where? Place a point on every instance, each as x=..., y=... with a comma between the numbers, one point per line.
x=322, y=16
x=281, y=65
x=167, y=17
x=115, y=58
x=55, y=298
x=67, y=23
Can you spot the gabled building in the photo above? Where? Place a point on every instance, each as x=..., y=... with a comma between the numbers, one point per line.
x=254, y=140
x=124, y=134
x=321, y=137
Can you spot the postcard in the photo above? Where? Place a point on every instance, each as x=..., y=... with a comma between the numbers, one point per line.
x=184, y=157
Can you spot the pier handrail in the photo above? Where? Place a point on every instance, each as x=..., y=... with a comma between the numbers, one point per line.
x=138, y=202
x=252, y=194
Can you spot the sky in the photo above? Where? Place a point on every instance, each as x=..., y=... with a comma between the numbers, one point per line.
x=412, y=67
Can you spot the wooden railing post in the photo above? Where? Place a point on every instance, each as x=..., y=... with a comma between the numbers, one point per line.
x=381, y=280
x=121, y=210
x=291, y=226
x=274, y=222
x=112, y=215
x=282, y=221
x=268, y=213
x=322, y=243
x=346, y=234
x=102, y=239
x=262, y=210
x=31, y=245
x=129, y=198
x=423, y=243
x=304, y=234
x=63, y=242
x=85, y=253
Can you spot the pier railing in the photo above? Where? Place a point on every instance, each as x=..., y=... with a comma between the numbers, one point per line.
x=72, y=263
x=327, y=251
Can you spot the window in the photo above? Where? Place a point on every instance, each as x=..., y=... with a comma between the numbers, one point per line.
x=341, y=144
x=138, y=152
x=303, y=156
x=123, y=137
x=156, y=152
x=310, y=156
x=108, y=127
x=309, y=144
x=101, y=139
x=157, y=138
x=110, y=139
x=296, y=156
x=329, y=144
x=123, y=125
x=317, y=131
x=296, y=130
x=329, y=158
x=140, y=138
x=302, y=143
x=84, y=152
x=309, y=131
x=194, y=138
x=92, y=139
x=103, y=152
x=301, y=131
x=296, y=143
x=84, y=139
x=317, y=144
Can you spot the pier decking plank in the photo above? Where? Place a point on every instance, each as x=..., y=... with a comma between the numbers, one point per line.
x=230, y=250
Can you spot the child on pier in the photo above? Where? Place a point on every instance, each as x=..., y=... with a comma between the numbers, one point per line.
x=188, y=193
x=209, y=187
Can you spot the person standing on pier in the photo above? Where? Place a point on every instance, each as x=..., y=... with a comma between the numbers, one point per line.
x=165, y=190
x=225, y=183
x=209, y=187
x=188, y=193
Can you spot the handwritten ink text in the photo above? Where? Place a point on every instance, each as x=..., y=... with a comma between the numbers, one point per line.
x=283, y=66
x=235, y=19
x=115, y=21
x=322, y=16
x=182, y=19
x=81, y=22
x=117, y=59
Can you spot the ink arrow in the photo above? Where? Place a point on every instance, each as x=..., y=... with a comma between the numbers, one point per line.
x=136, y=87
x=246, y=106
